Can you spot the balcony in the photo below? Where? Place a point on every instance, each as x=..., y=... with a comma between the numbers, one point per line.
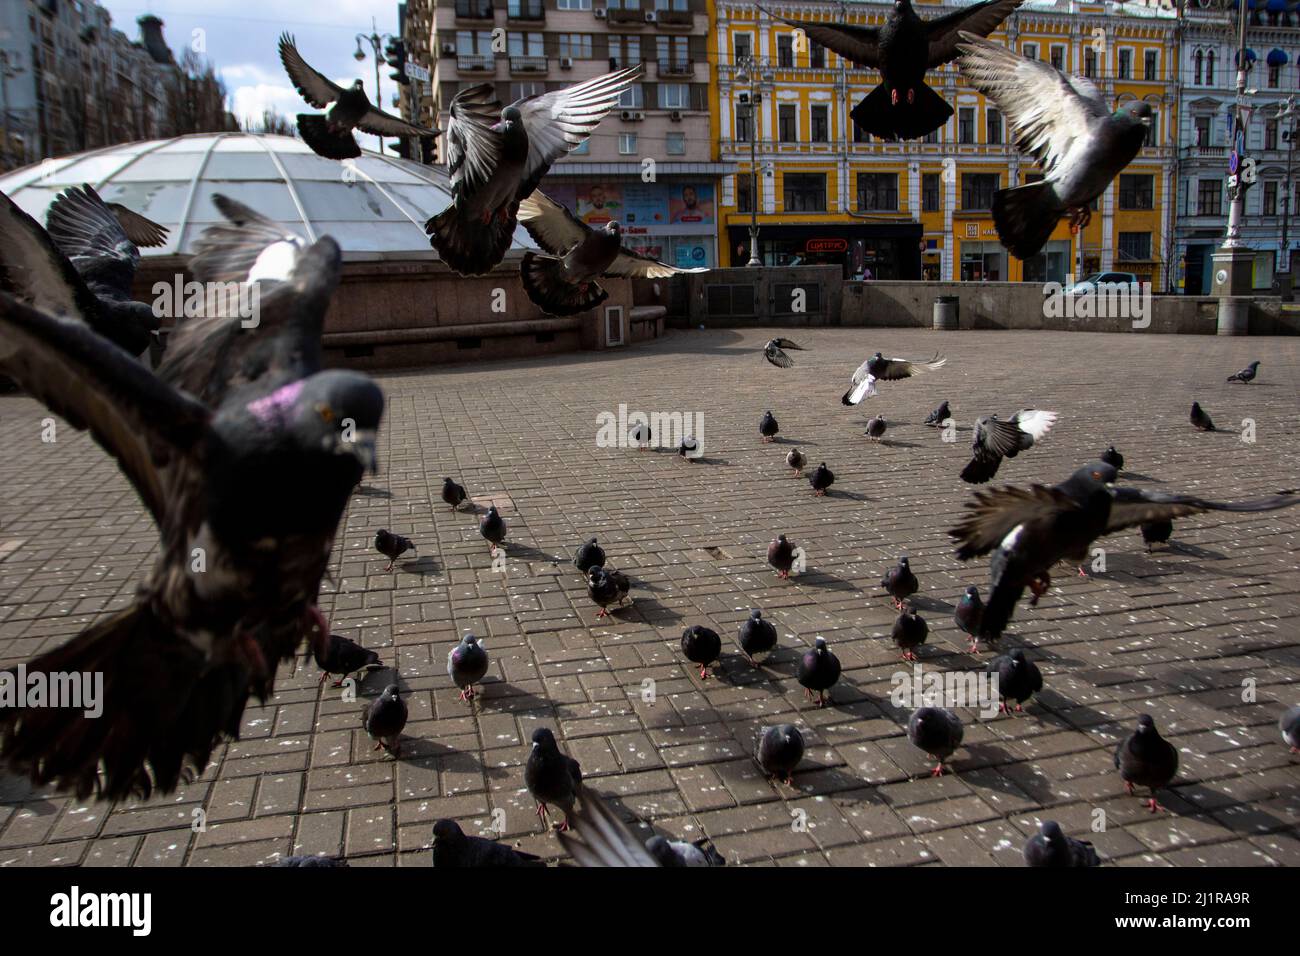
x=670, y=67
x=476, y=63
x=1205, y=152
x=474, y=10
x=532, y=12
x=528, y=64
x=626, y=17
x=675, y=18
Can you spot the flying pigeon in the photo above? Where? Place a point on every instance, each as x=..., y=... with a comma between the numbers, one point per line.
x=773, y=352
x=780, y=555
x=599, y=838
x=937, y=732
x=1050, y=847
x=85, y=275
x=680, y=853
x=910, y=631
x=1246, y=375
x=756, y=636
x=1065, y=123
x=590, y=555
x=330, y=135
x=940, y=415
x=1018, y=679
x=385, y=718
x=1156, y=532
x=496, y=157
x=996, y=439
x=821, y=479
x=561, y=280
x=779, y=750
x=1113, y=458
x=1290, y=727
x=467, y=662
x=881, y=369
x=553, y=778
x=968, y=614
x=904, y=49
x=339, y=655
x=392, y=546
x=453, y=494
x=1145, y=759
x=702, y=646
x=452, y=847
x=602, y=589
x=900, y=582
x=819, y=670
x=1200, y=419
x=796, y=460
x=493, y=528
x=767, y=426
x=876, y=428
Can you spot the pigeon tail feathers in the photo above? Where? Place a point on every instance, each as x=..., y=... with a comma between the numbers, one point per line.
x=551, y=291
x=316, y=133
x=470, y=247
x=1025, y=217
x=864, y=389
x=878, y=116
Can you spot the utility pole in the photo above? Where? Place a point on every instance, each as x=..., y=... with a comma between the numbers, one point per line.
x=376, y=41
x=749, y=73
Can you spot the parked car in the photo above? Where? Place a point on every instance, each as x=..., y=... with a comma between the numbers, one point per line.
x=1103, y=281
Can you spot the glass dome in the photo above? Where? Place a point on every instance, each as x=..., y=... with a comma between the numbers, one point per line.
x=374, y=206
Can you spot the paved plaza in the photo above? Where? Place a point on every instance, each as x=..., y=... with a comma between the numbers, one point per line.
x=1204, y=636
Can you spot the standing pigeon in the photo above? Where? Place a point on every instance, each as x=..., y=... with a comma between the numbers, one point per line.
x=1050, y=847
x=904, y=49
x=701, y=646
x=642, y=434
x=453, y=493
x=680, y=853
x=1290, y=727
x=1018, y=679
x=969, y=611
x=1145, y=759
x=796, y=460
x=602, y=589
x=772, y=351
x=385, y=718
x=452, y=847
x=881, y=369
x=496, y=157
x=338, y=655
x=757, y=636
x=876, y=428
x=937, y=732
x=819, y=670
x=553, y=778
x=493, y=528
x=1156, y=532
x=780, y=555
x=467, y=662
x=767, y=426
x=1065, y=123
x=1246, y=375
x=1113, y=458
x=940, y=415
x=995, y=440
x=910, y=631
x=821, y=479
x=689, y=448
x=620, y=580
x=392, y=546
x=589, y=556
x=1200, y=419
x=779, y=750
x=330, y=135
x=900, y=582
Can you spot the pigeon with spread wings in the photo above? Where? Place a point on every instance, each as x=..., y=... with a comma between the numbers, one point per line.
x=496, y=157
x=995, y=439
x=562, y=279
x=330, y=134
x=881, y=369
x=1062, y=121
x=774, y=352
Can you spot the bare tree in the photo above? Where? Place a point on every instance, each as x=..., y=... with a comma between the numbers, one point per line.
x=272, y=122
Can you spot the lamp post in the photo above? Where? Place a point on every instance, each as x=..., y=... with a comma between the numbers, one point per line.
x=1285, y=111
x=748, y=73
x=376, y=41
x=1233, y=260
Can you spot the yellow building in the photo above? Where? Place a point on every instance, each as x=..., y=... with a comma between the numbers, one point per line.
x=829, y=193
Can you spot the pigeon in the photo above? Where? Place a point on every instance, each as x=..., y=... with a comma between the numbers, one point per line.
x=1065, y=123
x=756, y=636
x=1113, y=458
x=819, y=670
x=900, y=582
x=1018, y=679
x=768, y=427
x=496, y=157
x=1156, y=532
x=701, y=646
x=467, y=662
x=385, y=718
x=553, y=778
x=876, y=428
x=780, y=555
x=642, y=434
x=689, y=448
x=1050, y=847
x=1290, y=727
x=82, y=271
x=307, y=862
x=937, y=417
x=969, y=611
x=903, y=49
x=181, y=660
x=910, y=631
x=599, y=838
x=796, y=460
x=773, y=352
x=1145, y=759
x=821, y=479
x=1200, y=419
x=996, y=439
x=392, y=546
x=680, y=853
x=937, y=732
x=590, y=555
x=493, y=528
x=452, y=847
x=561, y=280
x=245, y=246
x=602, y=589
x=779, y=750
x=453, y=494
x=881, y=369
x=338, y=655
x=622, y=585
x=1246, y=375
x=330, y=135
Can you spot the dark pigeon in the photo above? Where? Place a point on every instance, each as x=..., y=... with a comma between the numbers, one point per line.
x=940, y=415
x=1113, y=458
x=452, y=847
x=702, y=646
x=767, y=426
x=602, y=590
x=1156, y=532
x=1051, y=847
x=1200, y=419
x=876, y=428
x=553, y=778
x=780, y=555
x=467, y=662
x=622, y=584
x=680, y=853
x=772, y=351
x=590, y=555
x=492, y=528
x=1290, y=727
x=900, y=582
x=453, y=494
x=689, y=448
x=937, y=732
x=392, y=546
x=338, y=655
x=1145, y=759
x=796, y=460
x=910, y=631
x=819, y=670
x=1018, y=679
x=1246, y=375
x=970, y=609
x=881, y=369
x=995, y=440
x=308, y=862
x=385, y=719
x=756, y=636
x=821, y=479
x=779, y=750
x=642, y=434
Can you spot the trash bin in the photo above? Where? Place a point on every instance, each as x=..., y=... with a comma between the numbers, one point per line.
x=946, y=312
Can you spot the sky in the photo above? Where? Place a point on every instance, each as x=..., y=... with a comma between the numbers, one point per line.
x=241, y=41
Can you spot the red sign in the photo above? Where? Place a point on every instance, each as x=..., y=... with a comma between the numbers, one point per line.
x=826, y=245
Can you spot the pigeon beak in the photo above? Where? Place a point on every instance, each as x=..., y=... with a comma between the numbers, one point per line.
x=1146, y=121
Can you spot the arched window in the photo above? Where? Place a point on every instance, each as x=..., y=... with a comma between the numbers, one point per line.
x=1209, y=68
x=1198, y=62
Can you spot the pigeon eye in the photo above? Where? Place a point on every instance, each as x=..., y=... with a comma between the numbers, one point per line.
x=325, y=412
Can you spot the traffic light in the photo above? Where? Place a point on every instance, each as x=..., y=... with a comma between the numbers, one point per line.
x=402, y=147
x=395, y=54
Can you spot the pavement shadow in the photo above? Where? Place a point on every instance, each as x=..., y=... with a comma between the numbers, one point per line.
x=897, y=443
x=652, y=611
x=369, y=491
x=424, y=566
x=847, y=495
x=526, y=552
x=503, y=696
x=824, y=579
x=1138, y=476
x=933, y=605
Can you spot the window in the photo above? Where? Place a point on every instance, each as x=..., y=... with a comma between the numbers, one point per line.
x=1058, y=57
x=624, y=51
x=1274, y=75
x=632, y=98
x=1209, y=68
x=1090, y=63
x=1150, y=67
x=741, y=46
x=977, y=190
x=524, y=44
x=626, y=144
x=582, y=149
x=966, y=124
x=805, y=192
x=860, y=135
x=1153, y=131
x=787, y=128
x=821, y=124
x=1198, y=65
x=519, y=90
x=573, y=5
x=743, y=184
x=576, y=45
x=785, y=50
x=1270, y=197
x=1270, y=134
x=1204, y=128
x=744, y=122
x=471, y=43
x=1135, y=246
x=932, y=136
x=1136, y=191
x=1125, y=65
x=816, y=55
x=674, y=96
x=1030, y=51
x=524, y=9
x=675, y=144
x=1209, y=197
x=993, y=120
x=930, y=192
x=877, y=191
x=673, y=52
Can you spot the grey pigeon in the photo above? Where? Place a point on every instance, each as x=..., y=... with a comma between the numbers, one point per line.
x=1156, y=532
x=819, y=670
x=339, y=655
x=756, y=636
x=937, y=417
x=796, y=460
x=245, y=246
x=453, y=494
x=680, y=853
x=561, y=280
x=773, y=352
x=622, y=584
x=910, y=632
x=767, y=426
x=1051, y=847
x=881, y=369
x=689, y=448
x=1200, y=420
x=599, y=837
x=553, y=778
x=385, y=718
x=467, y=662
x=1113, y=458
x=392, y=546
x=702, y=646
x=496, y=157
x=453, y=847
x=995, y=439
x=900, y=582
x=780, y=555
x=1065, y=123
x=1290, y=727
x=590, y=555
x=1246, y=375
x=330, y=135
x=493, y=528
x=603, y=589
x=970, y=609
x=937, y=732
x=1018, y=679
x=876, y=428
x=1145, y=759
x=779, y=750
x=821, y=479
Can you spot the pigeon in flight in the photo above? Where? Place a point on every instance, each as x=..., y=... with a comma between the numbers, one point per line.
x=819, y=670
x=996, y=439
x=330, y=135
x=453, y=494
x=1018, y=679
x=756, y=636
x=680, y=853
x=599, y=838
x=553, y=778
x=385, y=718
x=881, y=369
x=779, y=750
x=1051, y=847
x=1246, y=375
x=1200, y=420
x=937, y=417
x=1290, y=727
x=937, y=732
x=339, y=655
x=467, y=662
x=774, y=352
x=561, y=280
x=496, y=157
x=1064, y=122
x=904, y=49
x=1145, y=759
x=453, y=847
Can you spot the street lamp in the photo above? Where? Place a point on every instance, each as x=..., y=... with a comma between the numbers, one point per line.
x=1285, y=111
x=1233, y=260
x=748, y=73
x=376, y=41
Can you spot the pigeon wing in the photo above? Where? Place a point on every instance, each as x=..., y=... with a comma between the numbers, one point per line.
x=311, y=85
x=141, y=230
x=632, y=265
x=551, y=225
x=228, y=251
x=83, y=226
x=599, y=838
x=860, y=45
x=896, y=368
x=980, y=19
x=994, y=513
x=787, y=344
x=34, y=270
x=473, y=146
x=778, y=358
x=381, y=124
x=1134, y=506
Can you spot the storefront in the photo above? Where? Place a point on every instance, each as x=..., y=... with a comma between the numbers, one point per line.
x=867, y=250
x=1052, y=264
